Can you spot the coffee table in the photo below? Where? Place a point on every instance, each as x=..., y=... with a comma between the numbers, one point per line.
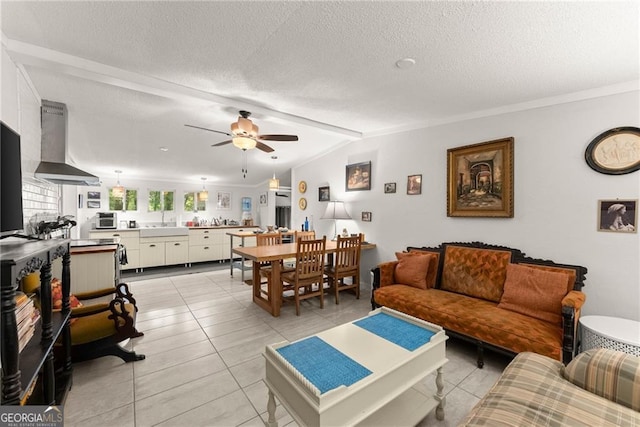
x=353, y=374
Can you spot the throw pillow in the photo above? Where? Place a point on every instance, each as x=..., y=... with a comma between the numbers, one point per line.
x=56, y=297
x=534, y=292
x=412, y=269
x=608, y=373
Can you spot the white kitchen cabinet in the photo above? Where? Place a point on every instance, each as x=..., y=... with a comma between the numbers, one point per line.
x=176, y=250
x=152, y=251
x=205, y=253
x=206, y=244
x=129, y=238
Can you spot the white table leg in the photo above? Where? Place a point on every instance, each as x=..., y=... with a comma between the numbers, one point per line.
x=271, y=409
x=440, y=395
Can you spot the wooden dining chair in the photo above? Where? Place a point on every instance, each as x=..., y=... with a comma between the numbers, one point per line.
x=304, y=235
x=346, y=264
x=309, y=271
x=290, y=263
x=267, y=239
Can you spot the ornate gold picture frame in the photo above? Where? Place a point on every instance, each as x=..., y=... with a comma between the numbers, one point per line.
x=480, y=180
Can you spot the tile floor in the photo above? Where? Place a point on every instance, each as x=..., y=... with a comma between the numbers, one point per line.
x=203, y=343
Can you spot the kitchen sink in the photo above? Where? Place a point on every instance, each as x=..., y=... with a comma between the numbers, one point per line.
x=164, y=231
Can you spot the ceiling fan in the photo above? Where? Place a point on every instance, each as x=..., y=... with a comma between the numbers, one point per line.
x=244, y=135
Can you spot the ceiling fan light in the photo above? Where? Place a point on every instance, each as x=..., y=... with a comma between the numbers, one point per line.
x=244, y=143
x=235, y=128
x=254, y=131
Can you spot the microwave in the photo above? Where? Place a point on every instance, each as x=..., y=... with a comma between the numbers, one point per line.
x=106, y=220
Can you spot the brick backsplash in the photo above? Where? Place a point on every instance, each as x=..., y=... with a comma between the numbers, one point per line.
x=40, y=201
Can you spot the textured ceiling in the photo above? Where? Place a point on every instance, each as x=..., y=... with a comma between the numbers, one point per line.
x=133, y=73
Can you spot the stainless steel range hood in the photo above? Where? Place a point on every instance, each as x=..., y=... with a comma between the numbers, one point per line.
x=54, y=167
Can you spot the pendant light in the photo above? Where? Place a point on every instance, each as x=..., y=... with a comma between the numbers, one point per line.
x=118, y=190
x=204, y=194
x=274, y=183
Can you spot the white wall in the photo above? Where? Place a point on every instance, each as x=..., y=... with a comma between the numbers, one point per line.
x=20, y=110
x=556, y=194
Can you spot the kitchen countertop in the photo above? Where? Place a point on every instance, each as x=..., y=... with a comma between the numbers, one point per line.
x=111, y=230
x=82, y=246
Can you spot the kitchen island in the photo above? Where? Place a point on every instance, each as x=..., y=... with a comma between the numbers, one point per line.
x=96, y=264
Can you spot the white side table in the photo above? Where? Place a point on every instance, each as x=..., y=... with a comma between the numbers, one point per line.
x=613, y=333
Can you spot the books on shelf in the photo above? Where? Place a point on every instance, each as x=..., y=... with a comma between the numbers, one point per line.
x=26, y=318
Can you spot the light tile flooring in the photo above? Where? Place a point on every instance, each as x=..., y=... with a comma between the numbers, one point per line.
x=203, y=343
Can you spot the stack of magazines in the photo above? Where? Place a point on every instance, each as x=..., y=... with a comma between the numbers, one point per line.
x=26, y=317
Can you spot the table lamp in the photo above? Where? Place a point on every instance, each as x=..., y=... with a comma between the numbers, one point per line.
x=335, y=211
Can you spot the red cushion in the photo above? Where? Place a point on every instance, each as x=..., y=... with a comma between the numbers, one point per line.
x=56, y=297
x=412, y=268
x=534, y=292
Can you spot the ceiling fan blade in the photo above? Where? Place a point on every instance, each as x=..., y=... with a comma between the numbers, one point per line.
x=221, y=143
x=284, y=138
x=210, y=130
x=263, y=147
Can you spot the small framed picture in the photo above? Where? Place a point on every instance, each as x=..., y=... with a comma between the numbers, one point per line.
x=93, y=195
x=389, y=187
x=323, y=194
x=414, y=184
x=224, y=201
x=246, y=204
x=366, y=216
x=619, y=216
x=263, y=199
x=93, y=204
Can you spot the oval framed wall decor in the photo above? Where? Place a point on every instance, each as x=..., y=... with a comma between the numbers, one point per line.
x=615, y=152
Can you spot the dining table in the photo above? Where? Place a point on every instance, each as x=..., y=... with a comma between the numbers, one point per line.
x=271, y=299
x=242, y=235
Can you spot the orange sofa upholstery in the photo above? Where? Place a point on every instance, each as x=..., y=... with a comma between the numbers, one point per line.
x=491, y=295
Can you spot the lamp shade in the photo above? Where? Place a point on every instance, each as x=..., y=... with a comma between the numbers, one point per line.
x=118, y=191
x=336, y=210
x=274, y=184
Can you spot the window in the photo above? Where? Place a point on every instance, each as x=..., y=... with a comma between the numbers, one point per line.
x=197, y=201
x=160, y=201
x=126, y=202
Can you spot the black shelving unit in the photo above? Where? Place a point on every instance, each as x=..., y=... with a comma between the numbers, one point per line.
x=30, y=376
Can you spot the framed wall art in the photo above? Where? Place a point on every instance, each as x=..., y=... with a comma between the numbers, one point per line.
x=480, y=180
x=366, y=216
x=93, y=204
x=620, y=216
x=263, y=199
x=324, y=194
x=358, y=177
x=615, y=152
x=389, y=187
x=414, y=184
x=224, y=201
x=93, y=195
x=246, y=204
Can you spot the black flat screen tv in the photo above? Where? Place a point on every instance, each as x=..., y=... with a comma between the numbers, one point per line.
x=11, y=216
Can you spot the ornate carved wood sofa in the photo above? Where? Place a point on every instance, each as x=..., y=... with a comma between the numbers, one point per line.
x=494, y=296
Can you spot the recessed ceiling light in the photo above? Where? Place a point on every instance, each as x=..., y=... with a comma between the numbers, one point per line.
x=164, y=149
x=405, y=63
